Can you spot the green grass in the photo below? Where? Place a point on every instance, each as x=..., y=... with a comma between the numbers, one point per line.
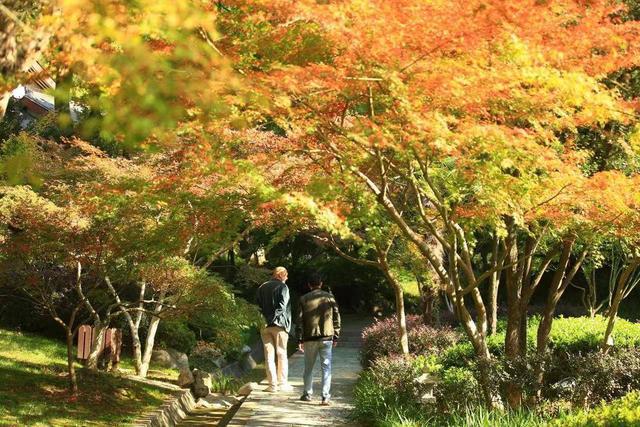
x=480, y=416
x=33, y=388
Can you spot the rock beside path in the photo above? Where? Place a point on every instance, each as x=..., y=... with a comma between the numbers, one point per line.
x=202, y=383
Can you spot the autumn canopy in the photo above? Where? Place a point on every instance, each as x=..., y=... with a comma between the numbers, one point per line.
x=487, y=149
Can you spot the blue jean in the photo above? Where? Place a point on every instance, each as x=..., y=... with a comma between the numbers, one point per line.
x=311, y=351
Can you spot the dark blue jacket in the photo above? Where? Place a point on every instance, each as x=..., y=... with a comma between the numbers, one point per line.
x=275, y=304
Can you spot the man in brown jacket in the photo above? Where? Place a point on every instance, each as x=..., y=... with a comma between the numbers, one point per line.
x=318, y=330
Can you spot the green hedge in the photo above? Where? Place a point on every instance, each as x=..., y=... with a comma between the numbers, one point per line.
x=620, y=412
x=568, y=335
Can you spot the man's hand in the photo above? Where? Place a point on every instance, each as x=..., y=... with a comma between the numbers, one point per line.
x=301, y=347
x=335, y=344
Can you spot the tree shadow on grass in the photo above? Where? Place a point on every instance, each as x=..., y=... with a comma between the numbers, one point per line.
x=33, y=393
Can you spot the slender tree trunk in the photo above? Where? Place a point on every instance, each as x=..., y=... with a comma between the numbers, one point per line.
x=70, y=332
x=555, y=292
x=71, y=369
x=134, y=324
x=401, y=317
x=481, y=350
x=137, y=349
x=524, y=323
x=617, y=299
x=493, y=288
x=150, y=340
x=561, y=280
x=402, y=320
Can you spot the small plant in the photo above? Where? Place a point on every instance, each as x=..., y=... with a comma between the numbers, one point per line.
x=458, y=388
x=224, y=384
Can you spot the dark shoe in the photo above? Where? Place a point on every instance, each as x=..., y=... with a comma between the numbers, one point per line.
x=325, y=401
x=305, y=398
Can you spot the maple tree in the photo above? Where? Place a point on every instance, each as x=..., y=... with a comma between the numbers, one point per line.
x=138, y=71
x=138, y=230
x=470, y=123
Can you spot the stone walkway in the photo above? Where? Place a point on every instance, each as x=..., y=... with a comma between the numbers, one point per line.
x=262, y=409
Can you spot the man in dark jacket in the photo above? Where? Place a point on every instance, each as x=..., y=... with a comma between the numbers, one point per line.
x=318, y=330
x=273, y=300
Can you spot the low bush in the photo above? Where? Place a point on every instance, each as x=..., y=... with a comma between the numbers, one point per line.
x=585, y=334
x=457, y=389
x=587, y=379
x=228, y=322
x=387, y=391
x=205, y=356
x=177, y=335
x=582, y=379
x=381, y=339
x=577, y=375
x=621, y=412
x=568, y=335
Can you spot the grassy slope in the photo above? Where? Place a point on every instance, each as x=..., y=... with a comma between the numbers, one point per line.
x=33, y=388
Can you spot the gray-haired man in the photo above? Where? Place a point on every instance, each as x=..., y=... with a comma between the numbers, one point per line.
x=274, y=302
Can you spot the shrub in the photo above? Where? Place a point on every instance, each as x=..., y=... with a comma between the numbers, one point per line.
x=226, y=321
x=588, y=378
x=584, y=334
x=568, y=335
x=381, y=339
x=177, y=335
x=621, y=412
x=457, y=389
x=387, y=390
x=204, y=357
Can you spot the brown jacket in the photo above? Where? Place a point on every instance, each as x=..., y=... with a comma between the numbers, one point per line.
x=318, y=317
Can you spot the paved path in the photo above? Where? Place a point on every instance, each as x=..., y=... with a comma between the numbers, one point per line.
x=262, y=409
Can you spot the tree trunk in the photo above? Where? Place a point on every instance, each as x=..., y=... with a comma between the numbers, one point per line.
x=71, y=369
x=493, y=289
x=134, y=325
x=151, y=337
x=615, y=303
x=555, y=292
x=522, y=339
x=514, y=316
x=401, y=317
x=402, y=320
x=137, y=349
x=481, y=350
x=561, y=280
x=96, y=346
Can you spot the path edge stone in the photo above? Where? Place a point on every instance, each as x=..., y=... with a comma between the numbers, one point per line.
x=170, y=413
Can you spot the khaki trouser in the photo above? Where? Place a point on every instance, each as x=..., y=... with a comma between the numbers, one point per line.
x=275, y=340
